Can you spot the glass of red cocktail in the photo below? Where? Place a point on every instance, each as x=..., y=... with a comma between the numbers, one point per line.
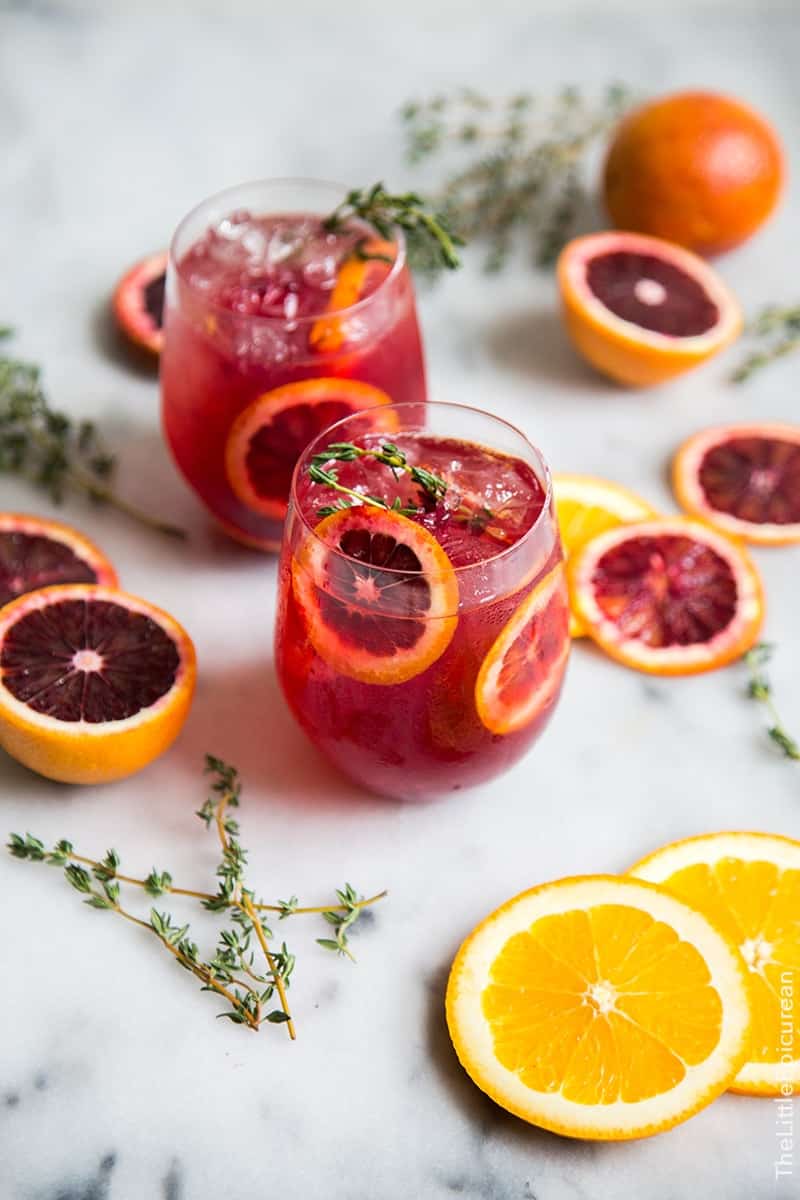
x=276, y=326
x=422, y=631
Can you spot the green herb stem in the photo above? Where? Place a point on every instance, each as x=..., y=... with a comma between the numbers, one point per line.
x=760, y=689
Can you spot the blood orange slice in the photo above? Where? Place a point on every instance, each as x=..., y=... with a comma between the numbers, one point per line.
x=745, y=479
x=586, y=506
x=521, y=675
x=35, y=553
x=267, y=438
x=359, y=275
x=138, y=302
x=669, y=596
x=378, y=592
x=94, y=683
x=642, y=310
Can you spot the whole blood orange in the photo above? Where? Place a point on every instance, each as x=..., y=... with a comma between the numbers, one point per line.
x=696, y=168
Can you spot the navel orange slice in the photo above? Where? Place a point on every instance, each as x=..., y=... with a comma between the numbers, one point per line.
x=748, y=884
x=599, y=1007
x=378, y=592
x=586, y=506
x=668, y=596
x=520, y=678
x=744, y=479
x=642, y=310
x=35, y=553
x=269, y=436
x=94, y=683
x=359, y=275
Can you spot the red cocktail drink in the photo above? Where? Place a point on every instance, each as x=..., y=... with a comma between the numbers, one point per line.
x=276, y=326
x=422, y=626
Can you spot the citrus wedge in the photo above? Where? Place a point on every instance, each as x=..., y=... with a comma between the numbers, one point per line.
x=35, y=553
x=94, y=683
x=378, y=593
x=668, y=596
x=521, y=676
x=599, y=1007
x=749, y=885
x=585, y=507
x=359, y=275
x=642, y=310
x=268, y=437
x=743, y=479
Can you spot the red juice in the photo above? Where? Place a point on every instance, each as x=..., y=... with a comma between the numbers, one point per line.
x=422, y=646
x=276, y=327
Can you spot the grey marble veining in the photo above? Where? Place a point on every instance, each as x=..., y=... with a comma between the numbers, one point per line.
x=115, y=1081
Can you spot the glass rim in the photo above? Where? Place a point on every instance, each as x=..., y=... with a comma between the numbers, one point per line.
x=294, y=322
x=493, y=559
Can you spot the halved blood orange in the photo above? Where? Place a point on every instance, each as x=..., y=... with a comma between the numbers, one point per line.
x=36, y=553
x=138, y=302
x=359, y=275
x=642, y=310
x=521, y=675
x=94, y=683
x=378, y=593
x=586, y=506
x=744, y=479
x=669, y=596
x=269, y=436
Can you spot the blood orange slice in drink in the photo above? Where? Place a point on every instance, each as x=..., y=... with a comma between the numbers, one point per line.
x=378, y=593
x=359, y=275
x=669, y=596
x=269, y=436
x=521, y=675
x=94, y=683
x=138, y=302
x=35, y=553
x=642, y=310
x=745, y=479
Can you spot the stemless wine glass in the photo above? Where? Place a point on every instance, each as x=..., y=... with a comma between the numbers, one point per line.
x=422, y=634
x=275, y=327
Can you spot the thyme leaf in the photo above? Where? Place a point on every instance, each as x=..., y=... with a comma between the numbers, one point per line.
x=777, y=330
x=430, y=241
x=759, y=688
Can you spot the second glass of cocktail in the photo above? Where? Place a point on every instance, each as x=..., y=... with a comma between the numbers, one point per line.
x=422, y=631
x=277, y=323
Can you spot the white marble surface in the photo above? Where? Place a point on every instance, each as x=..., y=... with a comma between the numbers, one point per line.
x=115, y=1081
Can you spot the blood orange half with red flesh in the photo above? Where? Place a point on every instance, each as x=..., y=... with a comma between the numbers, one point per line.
x=642, y=310
x=138, y=302
x=521, y=675
x=94, y=683
x=267, y=439
x=378, y=593
x=36, y=553
x=744, y=479
x=668, y=596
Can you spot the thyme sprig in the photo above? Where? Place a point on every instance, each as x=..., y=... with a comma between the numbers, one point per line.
x=54, y=451
x=430, y=241
x=231, y=972
x=759, y=688
x=778, y=330
x=513, y=164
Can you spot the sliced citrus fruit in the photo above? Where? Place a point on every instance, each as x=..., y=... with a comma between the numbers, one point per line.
x=138, y=302
x=268, y=437
x=521, y=675
x=642, y=310
x=379, y=594
x=94, y=683
x=745, y=479
x=36, y=553
x=359, y=275
x=749, y=885
x=599, y=1007
x=586, y=506
x=669, y=596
